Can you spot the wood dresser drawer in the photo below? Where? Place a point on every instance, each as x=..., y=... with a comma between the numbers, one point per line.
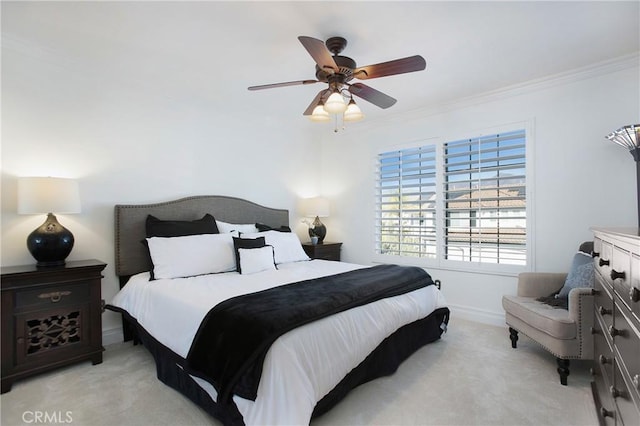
x=52, y=296
x=616, y=370
x=603, y=302
x=628, y=342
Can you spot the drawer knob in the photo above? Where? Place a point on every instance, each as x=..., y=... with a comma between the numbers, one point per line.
x=54, y=296
x=634, y=294
x=615, y=332
x=615, y=274
x=604, y=311
x=603, y=262
x=614, y=392
x=595, y=254
x=605, y=413
x=603, y=360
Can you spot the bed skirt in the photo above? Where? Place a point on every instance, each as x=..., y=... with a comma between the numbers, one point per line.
x=383, y=361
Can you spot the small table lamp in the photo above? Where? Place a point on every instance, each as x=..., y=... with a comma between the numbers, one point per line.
x=318, y=207
x=51, y=243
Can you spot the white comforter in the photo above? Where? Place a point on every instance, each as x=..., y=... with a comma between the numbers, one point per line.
x=296, y=374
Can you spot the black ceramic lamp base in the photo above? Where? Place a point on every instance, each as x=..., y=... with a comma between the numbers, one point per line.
x=318, y=230
x=50, y=243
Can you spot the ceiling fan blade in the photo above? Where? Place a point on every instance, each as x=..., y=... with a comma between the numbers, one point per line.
x=314, y=102
x=372, y=95
x=288, y=83
x=398, y=66
x=319, y=52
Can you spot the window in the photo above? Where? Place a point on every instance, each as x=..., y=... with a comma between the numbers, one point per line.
x=406, y=213
x=463, y=200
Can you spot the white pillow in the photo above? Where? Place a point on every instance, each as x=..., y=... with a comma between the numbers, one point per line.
x=176, y=257
x=286, y=245
x=256, y=260
x=224, y=227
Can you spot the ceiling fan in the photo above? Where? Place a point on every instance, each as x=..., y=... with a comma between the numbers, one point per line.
x=337, y=72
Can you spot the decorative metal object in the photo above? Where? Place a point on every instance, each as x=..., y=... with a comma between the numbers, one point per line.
x=629, y=138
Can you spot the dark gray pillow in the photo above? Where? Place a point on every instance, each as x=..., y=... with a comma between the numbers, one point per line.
x=580, y=275
x=263, y=228
x=180, y=228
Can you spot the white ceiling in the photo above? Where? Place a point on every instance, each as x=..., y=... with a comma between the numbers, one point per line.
x=208, y=53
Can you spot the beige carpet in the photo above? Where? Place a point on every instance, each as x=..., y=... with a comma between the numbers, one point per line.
x=470, y=377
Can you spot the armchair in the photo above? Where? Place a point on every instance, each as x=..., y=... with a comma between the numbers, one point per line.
x=566, y=333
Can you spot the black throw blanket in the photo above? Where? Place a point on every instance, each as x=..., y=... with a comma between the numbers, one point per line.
x=235, y=336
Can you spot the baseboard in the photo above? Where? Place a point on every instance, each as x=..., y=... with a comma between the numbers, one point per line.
x=111, y=336
x=478, y=315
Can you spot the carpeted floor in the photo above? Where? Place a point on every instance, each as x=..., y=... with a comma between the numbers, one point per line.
x=470, y=377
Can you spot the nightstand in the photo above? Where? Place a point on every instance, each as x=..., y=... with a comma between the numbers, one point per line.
x=50, y=317
x=326, y=251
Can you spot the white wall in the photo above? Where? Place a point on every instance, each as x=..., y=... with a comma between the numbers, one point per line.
x=128, y=143
x=128, y=140
x=578, y=179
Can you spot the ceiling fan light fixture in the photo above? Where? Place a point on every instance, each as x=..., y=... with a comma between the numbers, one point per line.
x=335, y=104
x=353, y=112
x=319, y=114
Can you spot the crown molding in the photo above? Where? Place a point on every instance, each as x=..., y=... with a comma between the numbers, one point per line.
x=572, y=76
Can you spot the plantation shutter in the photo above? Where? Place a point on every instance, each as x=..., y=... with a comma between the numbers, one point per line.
x=406, y=202
x=485, y=199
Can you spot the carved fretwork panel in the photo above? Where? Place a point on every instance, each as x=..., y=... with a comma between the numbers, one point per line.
x=53, y=332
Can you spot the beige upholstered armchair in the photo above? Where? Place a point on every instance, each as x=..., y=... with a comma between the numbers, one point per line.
x=566, y=333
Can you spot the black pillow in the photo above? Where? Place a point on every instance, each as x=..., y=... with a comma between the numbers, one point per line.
x=180, y=228
x=246, y=243
x=262, y=228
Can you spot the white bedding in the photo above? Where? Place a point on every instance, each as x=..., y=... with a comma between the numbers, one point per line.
x=296, y=374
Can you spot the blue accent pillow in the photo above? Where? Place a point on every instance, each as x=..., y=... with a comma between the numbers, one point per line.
x=580, y=275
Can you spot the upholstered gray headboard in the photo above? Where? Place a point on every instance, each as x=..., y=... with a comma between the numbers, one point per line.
x=131, y=256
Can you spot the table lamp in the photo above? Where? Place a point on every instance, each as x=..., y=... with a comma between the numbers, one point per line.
x=50, y=243
x=318, y=207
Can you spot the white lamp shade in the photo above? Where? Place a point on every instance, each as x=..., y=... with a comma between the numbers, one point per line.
x=319, y=114
x=353, y=112
x=316, y=206
x=48, y=195
x=335, y=104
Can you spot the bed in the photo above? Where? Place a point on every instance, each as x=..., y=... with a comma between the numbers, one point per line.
x=306, y=366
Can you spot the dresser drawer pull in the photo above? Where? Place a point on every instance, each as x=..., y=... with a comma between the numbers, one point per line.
x=604, y=311
x=595, y=254
x=636, y=381
x=615, y=392
x=605, y=413
x=615, y=274
x=603, y=262
x=603, y=360
x=54, y=296
x=615, y=332
x=634, y=294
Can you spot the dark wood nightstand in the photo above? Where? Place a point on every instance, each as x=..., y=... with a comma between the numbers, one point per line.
x=50, y=317
x=326, y=251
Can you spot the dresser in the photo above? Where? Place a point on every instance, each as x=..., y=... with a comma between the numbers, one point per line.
x=326, y=251
x=51, y=316
x=616, y=370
